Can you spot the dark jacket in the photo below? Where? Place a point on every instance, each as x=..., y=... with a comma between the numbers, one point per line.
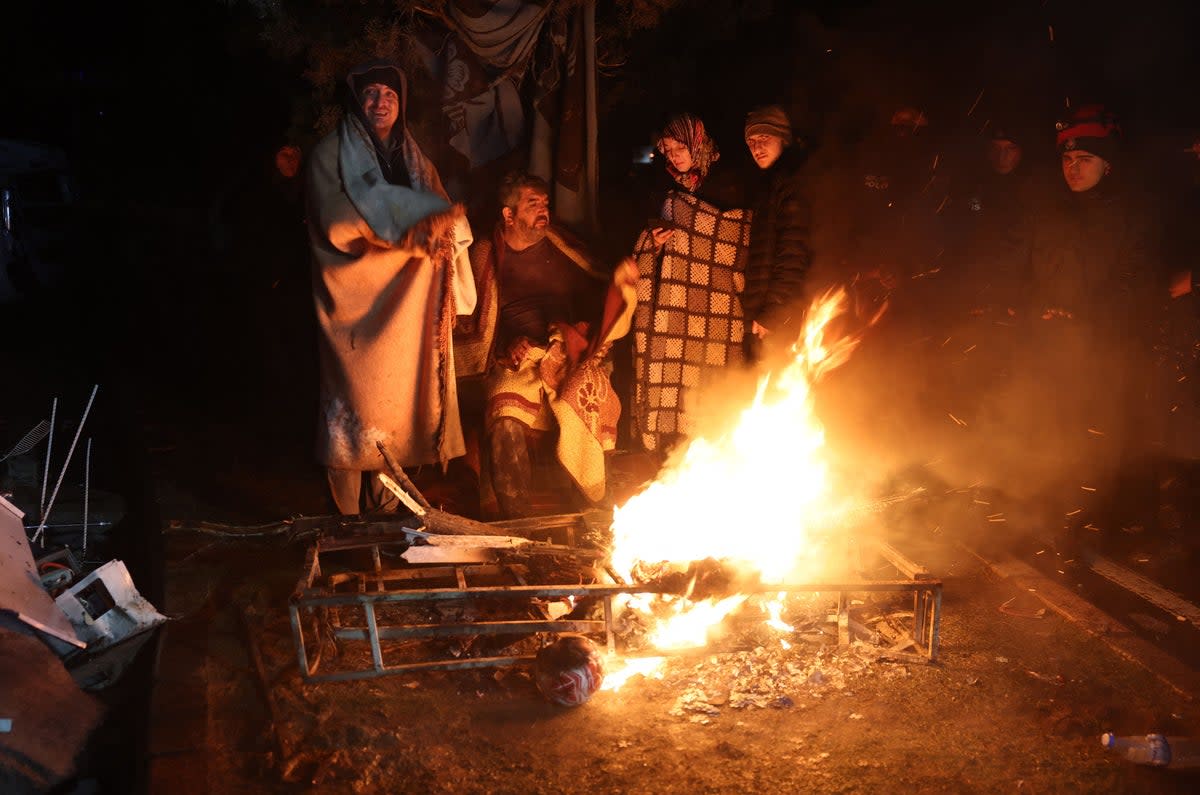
x=1093, y=255
x=780, y=245
x=1094, y=304
x=988, y=220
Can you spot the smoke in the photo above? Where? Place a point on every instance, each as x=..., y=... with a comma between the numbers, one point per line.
x=951, y=391
x=1004, y=428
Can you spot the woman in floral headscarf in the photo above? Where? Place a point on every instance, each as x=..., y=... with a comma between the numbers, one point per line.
x=690, y=155
x=688, y=323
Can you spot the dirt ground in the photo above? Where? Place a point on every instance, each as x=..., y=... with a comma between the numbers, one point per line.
x=1016, y=702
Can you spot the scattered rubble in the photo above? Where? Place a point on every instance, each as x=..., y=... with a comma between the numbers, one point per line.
x=771, y=678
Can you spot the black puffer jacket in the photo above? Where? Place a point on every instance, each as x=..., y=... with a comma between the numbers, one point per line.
x=780, y=246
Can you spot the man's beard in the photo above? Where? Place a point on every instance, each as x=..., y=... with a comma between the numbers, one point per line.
x=533, y=232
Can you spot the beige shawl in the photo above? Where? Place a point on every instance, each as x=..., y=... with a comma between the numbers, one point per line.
x=390, y=272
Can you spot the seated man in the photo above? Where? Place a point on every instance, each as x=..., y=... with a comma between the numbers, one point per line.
x=554, y=321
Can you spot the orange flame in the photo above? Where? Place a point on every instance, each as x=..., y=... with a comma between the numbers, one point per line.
x=750, y=498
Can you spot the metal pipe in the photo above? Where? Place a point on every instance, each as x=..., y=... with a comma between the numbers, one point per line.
x=376, y=651
x=406, y=631
x=561, y=591
x=609, y=637
x=937, y=622
x=49, y=450
x=87, y=479
x=591, y=173
x=298, y=636
x=62, y=472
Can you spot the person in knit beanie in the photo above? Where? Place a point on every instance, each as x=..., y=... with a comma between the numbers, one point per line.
x=1089, y=142
x=780, y=236
x=768, y=132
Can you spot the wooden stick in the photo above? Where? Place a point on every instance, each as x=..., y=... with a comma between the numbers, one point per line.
x=282, y=743
x=439, y=521
x=401, y=478
x=409, y=501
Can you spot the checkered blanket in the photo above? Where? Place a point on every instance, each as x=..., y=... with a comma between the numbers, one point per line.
x=688, y=322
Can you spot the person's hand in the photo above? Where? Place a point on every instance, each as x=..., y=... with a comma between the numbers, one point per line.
x=758, y=330
x=626, y=274
x=661, y=235
x=517, y=350
x=1181, y=283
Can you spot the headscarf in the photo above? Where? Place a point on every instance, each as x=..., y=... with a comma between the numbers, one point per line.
x=689, y=131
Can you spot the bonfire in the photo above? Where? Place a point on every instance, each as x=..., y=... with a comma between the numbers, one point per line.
x=682, y=525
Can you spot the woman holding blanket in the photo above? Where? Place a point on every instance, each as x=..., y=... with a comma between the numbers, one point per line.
x=688, y=323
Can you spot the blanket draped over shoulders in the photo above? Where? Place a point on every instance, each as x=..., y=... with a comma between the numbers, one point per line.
x=390, y=273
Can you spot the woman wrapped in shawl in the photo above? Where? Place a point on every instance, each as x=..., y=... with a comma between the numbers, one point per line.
x=390, y=271
x=688, y=323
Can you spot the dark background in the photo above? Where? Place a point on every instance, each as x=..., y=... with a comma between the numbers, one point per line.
x=168, y=104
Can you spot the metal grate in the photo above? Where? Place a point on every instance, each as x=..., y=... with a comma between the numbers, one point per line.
x=357, y=605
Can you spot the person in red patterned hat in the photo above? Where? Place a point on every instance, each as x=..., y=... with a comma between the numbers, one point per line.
x=1095, y=295
x=1088, y=144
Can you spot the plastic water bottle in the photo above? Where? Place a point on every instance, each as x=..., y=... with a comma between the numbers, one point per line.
x=1155, y=749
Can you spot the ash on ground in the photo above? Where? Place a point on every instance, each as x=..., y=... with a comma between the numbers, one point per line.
x=757, y=666
x=775, y=678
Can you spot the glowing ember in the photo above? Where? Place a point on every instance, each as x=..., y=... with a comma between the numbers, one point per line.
x=752, y=498
x=645, y=666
